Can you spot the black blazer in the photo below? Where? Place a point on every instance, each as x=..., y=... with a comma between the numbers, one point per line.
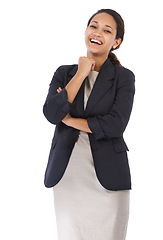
x=107, y=112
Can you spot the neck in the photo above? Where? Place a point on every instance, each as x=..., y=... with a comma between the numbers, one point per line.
x=99, y=60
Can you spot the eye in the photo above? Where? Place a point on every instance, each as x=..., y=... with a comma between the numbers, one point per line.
x=107, y=31
x=92, y=26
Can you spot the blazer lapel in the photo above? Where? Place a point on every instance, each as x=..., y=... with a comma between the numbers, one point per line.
x=102, y=84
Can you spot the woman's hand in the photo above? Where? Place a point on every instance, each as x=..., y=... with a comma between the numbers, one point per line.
x=85, y=66
x=59, y=90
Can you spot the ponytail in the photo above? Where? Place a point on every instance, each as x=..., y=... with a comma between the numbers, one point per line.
x=113, y=58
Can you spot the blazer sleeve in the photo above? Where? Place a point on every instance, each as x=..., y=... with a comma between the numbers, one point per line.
x=56, y=106
x=113, y=124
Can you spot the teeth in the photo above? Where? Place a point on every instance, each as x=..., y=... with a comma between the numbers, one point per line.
x=95, y=41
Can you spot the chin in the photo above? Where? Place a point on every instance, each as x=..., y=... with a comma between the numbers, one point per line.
x=93, y=50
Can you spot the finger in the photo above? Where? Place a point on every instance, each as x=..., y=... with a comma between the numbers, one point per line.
x=59, y=89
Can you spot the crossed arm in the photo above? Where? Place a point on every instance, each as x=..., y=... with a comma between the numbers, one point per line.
x=78, y=123
x=113, y=124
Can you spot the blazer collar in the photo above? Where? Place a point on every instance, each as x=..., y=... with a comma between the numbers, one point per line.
x=107, y=70
x=74, y=70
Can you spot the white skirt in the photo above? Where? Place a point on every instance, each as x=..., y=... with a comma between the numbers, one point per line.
x=84, y=209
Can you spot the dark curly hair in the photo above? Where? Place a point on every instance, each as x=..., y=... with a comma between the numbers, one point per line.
x=120, y=31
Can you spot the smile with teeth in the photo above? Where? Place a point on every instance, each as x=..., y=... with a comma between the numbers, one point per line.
x=92, y=40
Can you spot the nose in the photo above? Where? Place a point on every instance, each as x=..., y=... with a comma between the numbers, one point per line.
x=97, y=34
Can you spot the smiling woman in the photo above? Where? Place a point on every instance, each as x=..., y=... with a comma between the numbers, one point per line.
x=100, y=37
x=90, y=104
x=115, y=28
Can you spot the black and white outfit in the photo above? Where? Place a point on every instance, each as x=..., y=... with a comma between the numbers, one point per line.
x=86, y=207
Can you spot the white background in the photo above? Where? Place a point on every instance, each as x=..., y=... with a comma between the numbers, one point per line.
x=37, y=37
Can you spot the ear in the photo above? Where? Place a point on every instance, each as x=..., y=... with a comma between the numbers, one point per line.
x=117, y=43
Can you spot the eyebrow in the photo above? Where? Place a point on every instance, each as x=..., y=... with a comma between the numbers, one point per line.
x=105, y=25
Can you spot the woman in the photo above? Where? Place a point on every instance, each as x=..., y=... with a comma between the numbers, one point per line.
x=90, y=104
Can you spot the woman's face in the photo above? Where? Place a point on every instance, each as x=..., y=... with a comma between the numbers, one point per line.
x=100, y=35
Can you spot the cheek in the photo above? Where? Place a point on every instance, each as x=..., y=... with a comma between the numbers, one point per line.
x=87, y=33
x=109, y=41
x=86, y=39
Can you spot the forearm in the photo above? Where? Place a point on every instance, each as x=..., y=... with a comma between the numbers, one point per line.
x=77, y=123
x=84, y=67
x=73, y=87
